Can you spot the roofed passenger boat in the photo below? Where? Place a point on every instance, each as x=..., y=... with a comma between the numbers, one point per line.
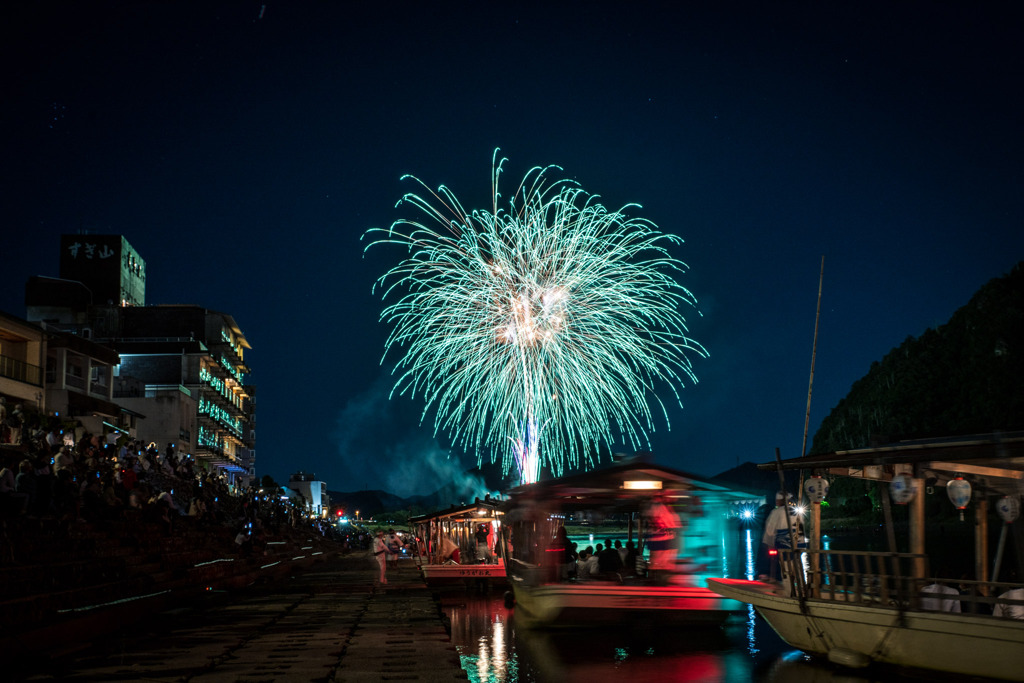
x=859, y=607
x=459, y=544
x=674, y=520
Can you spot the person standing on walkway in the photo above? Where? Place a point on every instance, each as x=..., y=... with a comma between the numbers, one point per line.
x=380, y=553
x=395, y=546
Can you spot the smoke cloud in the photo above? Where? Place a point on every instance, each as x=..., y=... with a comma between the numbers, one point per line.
x=381, y=445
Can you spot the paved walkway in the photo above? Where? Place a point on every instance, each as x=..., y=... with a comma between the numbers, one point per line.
x=328, y=623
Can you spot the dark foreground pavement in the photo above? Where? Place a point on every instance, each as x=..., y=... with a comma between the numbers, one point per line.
x=327, y=623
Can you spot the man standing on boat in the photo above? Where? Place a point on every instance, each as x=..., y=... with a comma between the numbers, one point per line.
x=483, y=544
x=777, y=531
x=664, y=526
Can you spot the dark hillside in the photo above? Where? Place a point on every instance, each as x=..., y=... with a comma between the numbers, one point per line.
x=965, y=377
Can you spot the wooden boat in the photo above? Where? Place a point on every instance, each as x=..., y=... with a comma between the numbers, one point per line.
x=545, y=593
x=861, y=607
x=456, y=527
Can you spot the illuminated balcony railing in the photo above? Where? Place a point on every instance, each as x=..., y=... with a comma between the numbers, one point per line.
x=12, y=368
x=209, y=439
x=231, y=369
x=221, y=416
x=217, y=384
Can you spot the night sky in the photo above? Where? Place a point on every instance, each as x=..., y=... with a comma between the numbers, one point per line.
x=243, y=148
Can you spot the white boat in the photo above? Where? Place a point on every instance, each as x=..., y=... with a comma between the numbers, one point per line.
x=623, y=497
x=456, y=528
x=856, y=608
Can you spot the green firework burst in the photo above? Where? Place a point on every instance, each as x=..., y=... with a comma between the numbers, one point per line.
x=549, y=314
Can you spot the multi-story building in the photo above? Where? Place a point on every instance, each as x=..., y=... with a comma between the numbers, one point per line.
x=170, y=411
x=54, y=374
x=80, y=387
x=182, y=367
x=187, y=364
x=107, y=265
x=22, y=359
x=314, y=492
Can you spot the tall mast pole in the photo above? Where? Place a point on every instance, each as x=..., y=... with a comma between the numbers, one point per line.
x=810, y=382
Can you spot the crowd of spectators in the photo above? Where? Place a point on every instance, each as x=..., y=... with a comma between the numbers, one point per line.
x=113, y=477
x=98, y=479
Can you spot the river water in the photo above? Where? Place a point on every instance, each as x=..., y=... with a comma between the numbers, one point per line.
x=494, y=650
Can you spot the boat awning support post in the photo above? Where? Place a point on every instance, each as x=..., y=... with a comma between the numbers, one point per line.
x=981, y=539
x=917, y=530
x=890, y=531
x=815, y=548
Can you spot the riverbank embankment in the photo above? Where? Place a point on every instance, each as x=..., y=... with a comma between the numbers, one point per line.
x=327, y=622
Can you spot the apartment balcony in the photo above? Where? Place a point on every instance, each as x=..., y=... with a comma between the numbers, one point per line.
x=20, y=371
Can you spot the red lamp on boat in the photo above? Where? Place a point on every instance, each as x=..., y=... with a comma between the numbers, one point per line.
x=902, y=488
x=1008, y=508
x=959, y=492
x=816, y=488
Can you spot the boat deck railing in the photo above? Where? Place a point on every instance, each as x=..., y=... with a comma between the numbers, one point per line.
x=850, y=576
x=885, y=579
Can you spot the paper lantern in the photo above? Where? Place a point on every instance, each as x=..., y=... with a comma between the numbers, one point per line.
x=816, y=489
x=902, y=488
x=959, y=492
x=1008, y=508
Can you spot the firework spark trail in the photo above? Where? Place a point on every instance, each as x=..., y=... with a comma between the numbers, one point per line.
x=549, y=323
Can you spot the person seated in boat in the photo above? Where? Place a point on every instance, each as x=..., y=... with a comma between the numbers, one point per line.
x=664, y=526
x=939, y=604
x=777, y=531
x=583, y=564
x=609, y=564
x=449, y=551
x=590, y=571
x=1009, y=611
x=594, y=561
x=573, y=558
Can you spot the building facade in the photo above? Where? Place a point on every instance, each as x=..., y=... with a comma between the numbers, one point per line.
x=60, y=380
x=189, y=361
x=313, y=491
x=80, y=385
x=22, y=359
x=107, y=265
x=180, y=367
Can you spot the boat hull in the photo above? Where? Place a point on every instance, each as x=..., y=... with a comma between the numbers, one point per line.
x=849, y=632
x=600, y=603
x=437, y=575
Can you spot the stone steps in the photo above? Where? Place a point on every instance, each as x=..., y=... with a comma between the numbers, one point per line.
x=95, y=565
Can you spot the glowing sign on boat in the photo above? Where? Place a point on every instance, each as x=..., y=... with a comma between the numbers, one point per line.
x=640, y=485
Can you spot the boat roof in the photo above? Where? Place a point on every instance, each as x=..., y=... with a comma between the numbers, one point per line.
x=622, y=485
x=994, y=461
x=481, y=509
